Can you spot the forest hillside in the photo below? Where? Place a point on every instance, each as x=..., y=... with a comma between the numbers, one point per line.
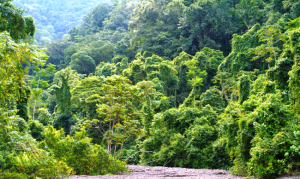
x=203, y=84
x=54, y=18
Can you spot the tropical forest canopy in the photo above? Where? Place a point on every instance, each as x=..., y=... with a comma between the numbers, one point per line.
x=181, y=83
x=54, y=18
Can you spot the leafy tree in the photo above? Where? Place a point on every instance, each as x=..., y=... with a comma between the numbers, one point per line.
x=37, y=83
x=294, y=73
x=214, y=98
x=84, y=96
x=101, y=51
x=94, y=19
x=168, y=75
x=270, y=36
x=118, y=110
x=244, y=88
x=44, y=116
x=12, y=75
x=82, y=63
x=119, y=17
x=105, y=69
x=209, y=60
x=12, y=21
x=250, y=11
x=292, y=6
x=59, y=53
x=195, y=78
x=18, y=151
x=180, y=66
x=149, y=96
x=63, y=82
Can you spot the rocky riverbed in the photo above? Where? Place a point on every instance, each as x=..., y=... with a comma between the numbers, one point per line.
x=142, y=172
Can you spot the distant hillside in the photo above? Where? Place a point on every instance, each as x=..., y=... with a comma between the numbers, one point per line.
x=54, y=18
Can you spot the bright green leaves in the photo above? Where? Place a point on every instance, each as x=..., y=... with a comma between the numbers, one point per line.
x=195, y=78
x=80, y=154
x=292, y=6
x=119, y=112
x=37, y=83
x=13, y=57
x=280, y=73
x=18, y=149
x=85, y=96
x=183, y=137
x=293, y=24
x=271, y=139
x=294, y=74
x=244, y=88
x=256, y=133
x=167, y=74
x=64, y=81
x=270, y=36
x=214, y=98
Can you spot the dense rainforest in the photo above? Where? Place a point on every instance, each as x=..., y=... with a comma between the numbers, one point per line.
x=54, y=18
x=182, y=83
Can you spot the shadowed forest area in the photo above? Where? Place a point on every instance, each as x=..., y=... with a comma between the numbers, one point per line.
x=89, y=87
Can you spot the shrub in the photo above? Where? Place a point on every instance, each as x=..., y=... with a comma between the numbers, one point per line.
x=80, y=154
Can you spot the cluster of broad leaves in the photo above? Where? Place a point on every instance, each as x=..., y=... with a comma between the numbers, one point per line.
x=181, y=83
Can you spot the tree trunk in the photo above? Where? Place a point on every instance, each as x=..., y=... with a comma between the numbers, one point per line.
x=109, y=132
x=121, y=150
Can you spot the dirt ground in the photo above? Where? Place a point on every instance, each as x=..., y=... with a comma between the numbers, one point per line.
x=142, y=172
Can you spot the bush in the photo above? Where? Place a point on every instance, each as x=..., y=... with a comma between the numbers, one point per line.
x=36, y=130
x=80, y=154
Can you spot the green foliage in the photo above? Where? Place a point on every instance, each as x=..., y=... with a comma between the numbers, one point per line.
x=184, y=137
x=105, y=69
x=12, y=21
x=63, y=82
x=257, y=135
x=279, y=73
x=54, y=18
x=44, y=116
x=82, y=63
x=32, y=165
x=251, y=12
x=80, y=154
x=95, y=18
x=270, y=36
x=118, y=110
x=244, y=88
x=155, y=83
x=36, y=130
x=209, y=60
x=85, y=96
x=20, y=156
x=294, y=73
x=271, y=140
x=214, y=98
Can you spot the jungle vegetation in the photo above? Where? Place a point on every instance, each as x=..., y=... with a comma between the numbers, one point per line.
x=54, y=18
x=182, y=83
